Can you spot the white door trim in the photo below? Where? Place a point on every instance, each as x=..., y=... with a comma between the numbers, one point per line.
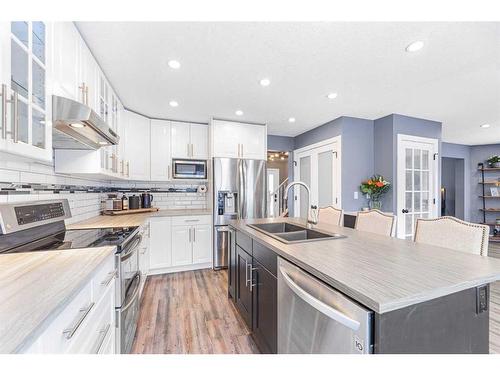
x=337, y=142
x=400, y=202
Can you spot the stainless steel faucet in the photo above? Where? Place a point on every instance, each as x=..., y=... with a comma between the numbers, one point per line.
x=310, y=219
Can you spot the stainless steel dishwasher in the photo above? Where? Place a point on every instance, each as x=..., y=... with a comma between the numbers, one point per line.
x=315, y=318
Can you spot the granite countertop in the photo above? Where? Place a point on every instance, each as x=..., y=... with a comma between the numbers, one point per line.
x=380, y=272
x=36, y=286
x=131, y=220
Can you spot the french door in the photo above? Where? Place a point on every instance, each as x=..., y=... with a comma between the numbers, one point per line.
x=318, y=166
x=417, y=185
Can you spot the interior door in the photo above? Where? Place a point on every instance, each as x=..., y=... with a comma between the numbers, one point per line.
x=273, y=181
x=416, y=182
x=318, y=166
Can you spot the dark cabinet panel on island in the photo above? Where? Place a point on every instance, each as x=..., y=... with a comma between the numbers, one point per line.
x=231, y=269
x=264, y=310
x=243, y=298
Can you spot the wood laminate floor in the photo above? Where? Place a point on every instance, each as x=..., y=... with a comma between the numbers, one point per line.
x=189, y=313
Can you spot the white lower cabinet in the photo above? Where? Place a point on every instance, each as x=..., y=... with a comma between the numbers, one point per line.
x=160, y=244
x=87, y=323
x=180, y=243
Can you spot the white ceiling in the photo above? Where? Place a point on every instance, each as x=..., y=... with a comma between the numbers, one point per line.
x=454, y=79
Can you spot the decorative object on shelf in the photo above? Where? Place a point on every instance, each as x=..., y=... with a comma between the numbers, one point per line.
x=374, y=188
x=494, y=192
x=494, y=161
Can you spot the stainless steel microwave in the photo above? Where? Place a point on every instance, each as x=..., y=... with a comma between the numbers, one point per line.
x=189, y=169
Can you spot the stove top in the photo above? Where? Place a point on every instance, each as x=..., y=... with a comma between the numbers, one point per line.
x=78, y=239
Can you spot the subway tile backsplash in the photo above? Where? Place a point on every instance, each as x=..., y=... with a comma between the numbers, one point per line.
x=21, y=182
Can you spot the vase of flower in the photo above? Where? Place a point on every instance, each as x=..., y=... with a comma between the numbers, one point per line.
x=494, y=161
x=374, y=189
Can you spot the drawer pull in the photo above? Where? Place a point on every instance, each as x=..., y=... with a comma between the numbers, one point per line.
x=191, y=220
x=100, y=339
x=108, y=279
x=84, y=311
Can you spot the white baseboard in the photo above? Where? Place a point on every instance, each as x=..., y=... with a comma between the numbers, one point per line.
x=188, y=267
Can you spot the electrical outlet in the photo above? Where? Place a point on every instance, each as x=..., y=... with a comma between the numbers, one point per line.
x=356, y=195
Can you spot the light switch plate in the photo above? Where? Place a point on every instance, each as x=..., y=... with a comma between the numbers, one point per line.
x=356, y=195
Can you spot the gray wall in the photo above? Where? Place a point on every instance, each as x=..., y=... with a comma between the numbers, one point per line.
x=448, y=181
x=384, y=156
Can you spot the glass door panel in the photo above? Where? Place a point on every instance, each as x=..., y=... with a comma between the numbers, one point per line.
x=325, y=174
x=305, y=176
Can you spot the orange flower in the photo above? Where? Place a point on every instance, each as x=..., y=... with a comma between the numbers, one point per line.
x=370, y=182
x=379, y=184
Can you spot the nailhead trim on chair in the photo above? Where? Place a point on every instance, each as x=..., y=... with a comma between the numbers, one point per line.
x=466, y=223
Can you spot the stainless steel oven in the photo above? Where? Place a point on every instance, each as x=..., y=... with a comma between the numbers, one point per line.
x=189, y=169
x=127, y=292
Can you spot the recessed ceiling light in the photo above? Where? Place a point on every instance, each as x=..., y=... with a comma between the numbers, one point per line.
x=103, y=143
x=173, y=103
x=76, y=125
x=332, y=95
x=415, y=46
x=239, y=112
x=291, y=119
x=265, y=82
x=485, y=125
x=174, y=64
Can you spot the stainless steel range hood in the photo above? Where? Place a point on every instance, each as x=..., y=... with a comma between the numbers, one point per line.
x=76, y=126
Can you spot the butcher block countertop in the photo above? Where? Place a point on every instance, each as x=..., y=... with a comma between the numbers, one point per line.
x=36, y=286
x=131, y=220
x=382, y=273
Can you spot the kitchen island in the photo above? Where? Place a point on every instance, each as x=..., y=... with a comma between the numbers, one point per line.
x=424, y=299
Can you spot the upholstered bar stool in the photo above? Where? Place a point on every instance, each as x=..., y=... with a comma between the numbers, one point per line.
x=375, y=221
x=453, y=233
x=330, y=216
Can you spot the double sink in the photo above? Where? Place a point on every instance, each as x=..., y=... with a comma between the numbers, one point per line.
x=293, y=233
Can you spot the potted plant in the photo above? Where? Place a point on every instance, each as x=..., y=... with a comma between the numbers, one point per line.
x=374, y=188
x=494, y=161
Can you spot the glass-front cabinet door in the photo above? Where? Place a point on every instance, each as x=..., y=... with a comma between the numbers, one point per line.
x=25, y=129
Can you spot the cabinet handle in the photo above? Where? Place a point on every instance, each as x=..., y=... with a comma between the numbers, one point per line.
x=242, y=150
x=189, y=233
x=246, y=273
x=122, y=170
x=107, y=280
x=128, y=169
x=168, y=172
x=239, y=154
x=188, y=151
x=194, y=234
x=86, y=95
x=3, y=122
x=100, y=338
x=82, y=89
x=15, y=103
x=83, y=312
x=251, y=277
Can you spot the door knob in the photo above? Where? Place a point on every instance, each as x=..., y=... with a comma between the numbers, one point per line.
x=404, y=210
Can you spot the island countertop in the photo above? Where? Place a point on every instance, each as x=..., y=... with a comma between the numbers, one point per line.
x=36, y=286
x=382, y=273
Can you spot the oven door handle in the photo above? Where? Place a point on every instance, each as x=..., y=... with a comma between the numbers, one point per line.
x=134, y=296
x=132, y=248
x=328, y=310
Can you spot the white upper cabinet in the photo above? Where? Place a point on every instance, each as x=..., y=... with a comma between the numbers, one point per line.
x=238, y=140
x=160, y=150
x=25, y=61
x=137, y=146
x=87, y=79
x=66, y=68
x=189, y=141
x=199, y=141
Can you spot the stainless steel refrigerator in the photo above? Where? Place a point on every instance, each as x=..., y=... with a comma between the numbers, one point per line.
x=239, y=192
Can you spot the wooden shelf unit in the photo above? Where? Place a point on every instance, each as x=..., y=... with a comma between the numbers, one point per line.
x=489, y=198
